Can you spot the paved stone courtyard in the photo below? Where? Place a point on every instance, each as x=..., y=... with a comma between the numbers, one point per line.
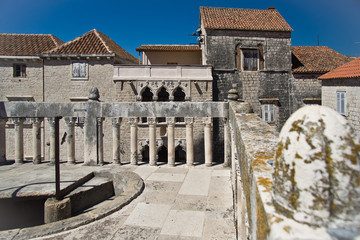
x=177, y=203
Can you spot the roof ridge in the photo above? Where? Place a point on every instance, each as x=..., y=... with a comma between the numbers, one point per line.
x=102, y=40
x=53, y=39
x=70, y=42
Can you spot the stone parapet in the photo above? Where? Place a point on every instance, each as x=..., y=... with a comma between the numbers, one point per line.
x=274, y=202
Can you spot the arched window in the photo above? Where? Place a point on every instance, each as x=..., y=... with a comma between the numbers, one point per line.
x=163, y=95
x=147, y=95
x=179, y=95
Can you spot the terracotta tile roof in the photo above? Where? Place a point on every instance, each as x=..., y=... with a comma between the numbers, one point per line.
x=169, y=48
x=348, y=70
x=308, y=59
x=27, y=44
x=93, y=42
x=243, y=19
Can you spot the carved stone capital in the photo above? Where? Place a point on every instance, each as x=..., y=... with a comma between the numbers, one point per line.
x=170, y=120
x=51, y=121
x=151, y=120
x=17, y=121
x=36, y=121
x=116, y=121
x=189, y=120
x=70, y=121
x=133, y=121
x=207, y=121
x=100, y=120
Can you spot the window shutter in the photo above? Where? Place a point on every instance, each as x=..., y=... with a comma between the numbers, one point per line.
x=23, y=70
x=238, y=57
x=343, y=102
x=82, y=69
x=76, y=70
x=261, y=57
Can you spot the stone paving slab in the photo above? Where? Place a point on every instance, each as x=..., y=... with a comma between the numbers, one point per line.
x=188, y=203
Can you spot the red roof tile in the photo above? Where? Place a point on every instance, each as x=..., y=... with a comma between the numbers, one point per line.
x=93, y=42
x=27, y=44
x=308, y=59
x=243, y=19
x=169, y=48
x=348, y=70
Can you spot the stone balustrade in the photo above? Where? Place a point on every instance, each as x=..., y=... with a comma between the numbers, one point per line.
x=162, y=72
x=94, y=113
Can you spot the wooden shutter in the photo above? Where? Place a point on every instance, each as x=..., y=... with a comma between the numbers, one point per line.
x=261, y=57
x=76, y=70
x=82, y=69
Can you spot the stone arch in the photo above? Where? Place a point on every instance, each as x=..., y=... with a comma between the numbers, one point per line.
x=180, y=154
x=145, y=153
x=163, y=94
x=162, y=154
x=179, y=94
x=146, y=94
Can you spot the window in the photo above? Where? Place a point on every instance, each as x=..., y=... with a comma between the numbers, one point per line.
x=268, y=112
x=19, y=70
x=341, y=102
x=250, y=57
x=79, y=70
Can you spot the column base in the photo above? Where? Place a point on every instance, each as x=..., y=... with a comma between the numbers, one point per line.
x=208, y=164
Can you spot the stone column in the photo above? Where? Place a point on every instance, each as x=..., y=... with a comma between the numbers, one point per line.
x=19, y=140
x=100, y=136
x=152, y=141
x=2, y=140
x=133, y=140
x=70, y=139
x=189, y=121
x=171, y=141
x=36, y=132
x=116, y=140
x=208, y=142
x=227, y=144
x=51, y=121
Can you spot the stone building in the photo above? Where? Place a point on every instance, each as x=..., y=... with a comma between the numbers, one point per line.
x=341, y=91
x=256, y=54
x=309, y=63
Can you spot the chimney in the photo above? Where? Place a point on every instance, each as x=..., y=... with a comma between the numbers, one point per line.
x=271, y=8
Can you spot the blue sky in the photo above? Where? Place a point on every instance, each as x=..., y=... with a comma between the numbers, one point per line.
x=133, y=23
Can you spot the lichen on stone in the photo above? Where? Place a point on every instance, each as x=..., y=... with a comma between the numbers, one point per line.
x=317, y=171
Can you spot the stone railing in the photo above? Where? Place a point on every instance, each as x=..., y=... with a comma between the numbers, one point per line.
x=94, y=113
x=303, y=184
x=162, y=72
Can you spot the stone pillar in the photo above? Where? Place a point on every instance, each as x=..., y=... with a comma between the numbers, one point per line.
x=171, y=141
x=51, y=121
x=2, y=141
x=133, y=140
x=189, y=121
x=36, y=132
x=227, y=144
x=100, y=136
x=70, y=139
x=19, y=140
x=208, y=142
x=152, y=141
x=116, y=140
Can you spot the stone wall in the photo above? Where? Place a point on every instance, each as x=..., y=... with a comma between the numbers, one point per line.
x=304, y=87
x=30, y=86
x=219, y=50
x=352, y=89
x=292, y=186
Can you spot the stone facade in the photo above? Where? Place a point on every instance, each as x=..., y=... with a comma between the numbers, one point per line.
x=220, y=49
x=352, y=89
